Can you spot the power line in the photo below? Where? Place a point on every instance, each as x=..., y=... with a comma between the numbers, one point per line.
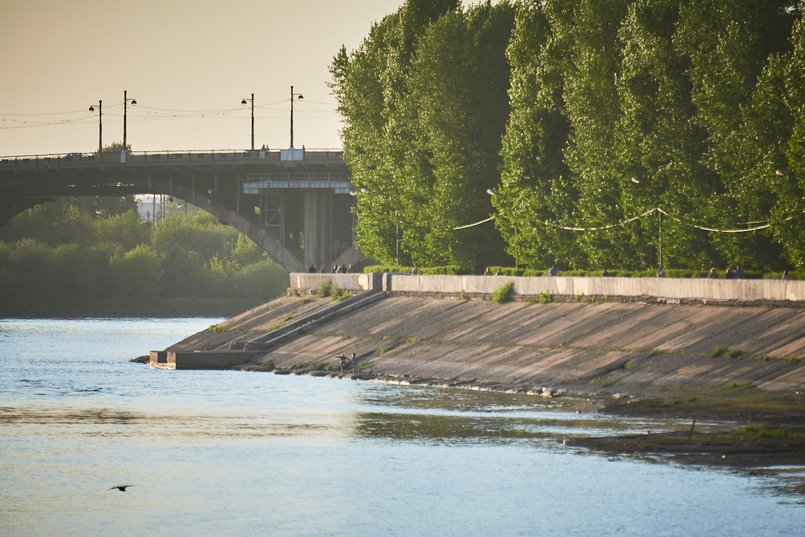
x=44, y=113
x=19, y=124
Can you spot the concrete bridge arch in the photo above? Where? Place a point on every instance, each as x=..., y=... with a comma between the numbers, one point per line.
x=295, y=204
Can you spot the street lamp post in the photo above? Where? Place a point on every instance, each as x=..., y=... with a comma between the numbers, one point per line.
x=396, y=225
x=492, y=193
x=298, y=96
x=126, y=101
x=100, y=125
x=660, y=265
x=252, y=101
x=659, y=221
x=397, y=234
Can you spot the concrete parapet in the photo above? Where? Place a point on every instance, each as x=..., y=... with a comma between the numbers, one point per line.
x=310, y=281
x=205, y=359
x=674, y=289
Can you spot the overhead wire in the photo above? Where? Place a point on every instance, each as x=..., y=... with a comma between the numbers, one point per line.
x=764, y=224
x=17, y=121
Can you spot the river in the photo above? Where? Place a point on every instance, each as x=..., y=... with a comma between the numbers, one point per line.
x=234, y=453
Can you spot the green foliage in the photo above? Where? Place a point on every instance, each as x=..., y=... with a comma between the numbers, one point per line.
x=726, y=352
x=422, y=130
x=325, y=289
x=126, y=230
x=452, y=270
x=78, y=253
x=504, y=293
x=328, y=289
x=755, y=431
x=259, y=281
x=137, y=271
x=699, y=102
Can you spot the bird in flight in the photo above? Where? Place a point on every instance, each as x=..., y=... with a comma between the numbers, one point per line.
x=121, y=488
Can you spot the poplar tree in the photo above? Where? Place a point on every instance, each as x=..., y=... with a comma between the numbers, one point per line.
x=535, y=194
x=459, y=84
x=590, y=70
x=370, y=84
x=788, y=216
x=657, y=142
x=735, y=51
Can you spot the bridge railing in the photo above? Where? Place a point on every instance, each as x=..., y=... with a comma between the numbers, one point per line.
x=73, y=160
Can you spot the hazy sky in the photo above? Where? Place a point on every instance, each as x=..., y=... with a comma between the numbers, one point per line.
x=180, y=59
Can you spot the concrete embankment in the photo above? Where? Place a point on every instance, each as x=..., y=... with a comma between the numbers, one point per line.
x=647, y=337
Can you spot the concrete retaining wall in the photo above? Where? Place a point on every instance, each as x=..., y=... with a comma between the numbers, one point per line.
x=349, y=282
x=674, y=289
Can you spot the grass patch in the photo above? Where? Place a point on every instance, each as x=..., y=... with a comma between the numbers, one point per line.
x=756, y=431
x=723, y=351
x=545, y=297
x=739, y=385
x=328, y=289
x=504, y=293
x=216, y=329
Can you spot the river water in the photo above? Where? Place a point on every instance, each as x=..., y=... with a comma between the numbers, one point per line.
x=233, y=453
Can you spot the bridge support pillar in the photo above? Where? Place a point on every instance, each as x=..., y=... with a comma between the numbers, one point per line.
x=317, y=226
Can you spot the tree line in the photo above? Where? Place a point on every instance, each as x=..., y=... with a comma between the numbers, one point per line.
x=596, y=133
x=67, y=254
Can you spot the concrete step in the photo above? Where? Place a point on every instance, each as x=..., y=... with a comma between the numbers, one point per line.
x=309, y=322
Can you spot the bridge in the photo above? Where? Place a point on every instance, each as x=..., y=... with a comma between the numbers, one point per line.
x=294, y=203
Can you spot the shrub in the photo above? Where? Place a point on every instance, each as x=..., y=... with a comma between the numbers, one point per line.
x=504, y=293
x=137, y=272
x=506, y=271
x=445, y=270
x=325, y=289
x=338, y=294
